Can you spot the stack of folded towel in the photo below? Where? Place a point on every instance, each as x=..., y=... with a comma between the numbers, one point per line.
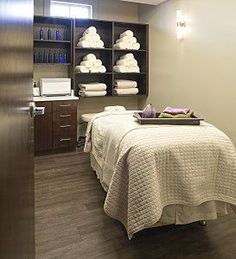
x=124, y=87
x=127, y=64
x=170, y=112
x=90, y=64
x=92, y=89
x=127, y=41
x=90, y=39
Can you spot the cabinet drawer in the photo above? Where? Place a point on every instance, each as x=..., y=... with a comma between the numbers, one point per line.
x=64, y=106
x=64, y=142
x=47, y=105
x=64, y=130
x=65, y=118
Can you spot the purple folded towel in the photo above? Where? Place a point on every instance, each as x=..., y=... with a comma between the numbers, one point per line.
x=174, y=111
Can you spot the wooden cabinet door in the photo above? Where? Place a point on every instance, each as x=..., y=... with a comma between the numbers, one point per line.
x=43, y=128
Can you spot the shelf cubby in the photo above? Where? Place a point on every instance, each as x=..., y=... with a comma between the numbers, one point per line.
x=104, y=29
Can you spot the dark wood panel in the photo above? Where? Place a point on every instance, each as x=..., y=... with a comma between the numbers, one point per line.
x=71, y=223
x=64, y=118
x=16, y=130
x=43, y=128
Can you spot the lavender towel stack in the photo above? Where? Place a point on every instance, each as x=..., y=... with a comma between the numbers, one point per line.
x=175, y=111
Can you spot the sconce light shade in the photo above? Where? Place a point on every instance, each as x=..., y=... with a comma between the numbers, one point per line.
x=180, y=25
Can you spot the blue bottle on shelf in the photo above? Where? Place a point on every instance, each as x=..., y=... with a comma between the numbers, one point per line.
x=57, y=35
x=41, y=37
x=54, y=58
x=50, y=57
x=65, y=36
x=35, y=57
x=60, y=58
x=40, y=57
x=65, y=58
x=45, y=57
x=49, y=34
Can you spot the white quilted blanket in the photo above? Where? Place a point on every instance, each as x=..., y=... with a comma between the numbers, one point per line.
x=156, y=166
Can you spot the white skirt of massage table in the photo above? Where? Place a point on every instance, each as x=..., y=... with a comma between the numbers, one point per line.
x=174, y=214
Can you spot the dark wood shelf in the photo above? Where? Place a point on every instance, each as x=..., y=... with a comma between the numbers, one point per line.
x=64, y=64
x=130, y=50
x=107, y=73
x=92, y=49
x=129, y=73
x=52, y=41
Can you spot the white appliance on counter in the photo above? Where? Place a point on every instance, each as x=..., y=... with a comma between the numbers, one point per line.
x=55, y=86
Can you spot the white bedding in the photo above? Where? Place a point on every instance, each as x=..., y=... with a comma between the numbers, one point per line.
x=148, y=168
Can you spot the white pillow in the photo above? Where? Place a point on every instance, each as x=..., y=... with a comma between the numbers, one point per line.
x=115, y=108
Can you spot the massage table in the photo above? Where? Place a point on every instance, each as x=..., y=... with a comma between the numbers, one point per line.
x=161, y=174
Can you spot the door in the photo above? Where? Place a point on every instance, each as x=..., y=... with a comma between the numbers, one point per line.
x=16, y=130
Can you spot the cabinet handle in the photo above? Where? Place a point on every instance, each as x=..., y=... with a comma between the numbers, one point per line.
x=65, y=126
x=65, y=105
x=65, y=139
x=65, y=116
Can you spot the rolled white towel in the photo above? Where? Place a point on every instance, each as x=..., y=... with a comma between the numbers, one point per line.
x=90, y=37
x=115, y=108
x=102, y=69
x=87, y=63
x=81, y=69
x=122, y=45
x=127, y=39
x=83, y=44
x=126, y=62
x=93, y=87
x=128, y=56
x=97, y=63
x=127, y=33
x=94, y=70
x=123, y=84
x=135, y=46
x=89, y=56
x=98, y=44
x=92, y=93
x=120, y=69
x=133, y=69
x=126, y=91
x=90, y=30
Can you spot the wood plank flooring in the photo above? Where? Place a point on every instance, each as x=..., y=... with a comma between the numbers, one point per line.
x=71, y=223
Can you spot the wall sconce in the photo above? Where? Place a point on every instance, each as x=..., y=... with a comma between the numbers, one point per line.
x=180, y=23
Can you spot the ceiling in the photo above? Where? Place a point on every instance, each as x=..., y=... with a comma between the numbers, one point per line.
x=151, y=2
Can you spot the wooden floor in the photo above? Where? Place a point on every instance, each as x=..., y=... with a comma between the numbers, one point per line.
x=71, y=223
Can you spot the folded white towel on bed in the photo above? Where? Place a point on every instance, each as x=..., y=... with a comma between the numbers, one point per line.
x=127, y=33
x=115, y=108
x=92, y=93
x=93, y=87
x=126, y=91
x=124, y=84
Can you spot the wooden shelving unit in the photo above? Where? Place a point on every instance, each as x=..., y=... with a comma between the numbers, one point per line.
x=109, y=32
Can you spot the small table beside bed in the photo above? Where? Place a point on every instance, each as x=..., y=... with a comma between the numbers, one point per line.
x=161, y=174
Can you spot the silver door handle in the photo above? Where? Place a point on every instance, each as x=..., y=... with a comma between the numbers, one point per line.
x=34, y=111
x=65, y=126
x=38, y=111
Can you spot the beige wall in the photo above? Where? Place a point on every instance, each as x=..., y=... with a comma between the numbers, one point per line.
x=199, y=71
x=102, y=9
